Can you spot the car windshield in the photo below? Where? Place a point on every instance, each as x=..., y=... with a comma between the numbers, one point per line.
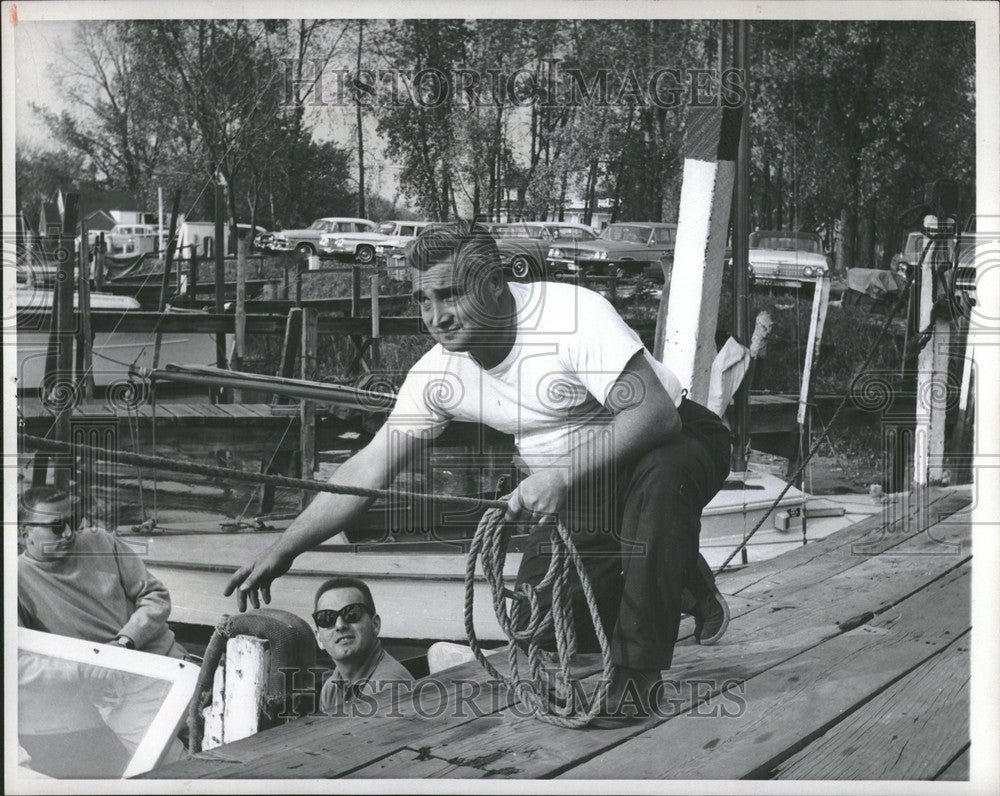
x=571, y=233
x=630, y=233
x=785, y=243
x=319, y=224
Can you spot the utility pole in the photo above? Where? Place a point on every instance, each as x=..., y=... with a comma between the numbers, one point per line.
x=361, y=135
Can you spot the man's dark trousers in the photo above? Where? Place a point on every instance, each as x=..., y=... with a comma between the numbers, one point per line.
x=640, y=550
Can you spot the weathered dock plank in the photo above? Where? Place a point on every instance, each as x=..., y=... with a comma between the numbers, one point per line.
x=779, y=709
x=911, y=730
x=763, y=639
x=958, y=769
x=327, y=747
x=870, y=536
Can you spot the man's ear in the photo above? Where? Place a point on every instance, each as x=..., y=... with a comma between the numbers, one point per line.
x=377, y=624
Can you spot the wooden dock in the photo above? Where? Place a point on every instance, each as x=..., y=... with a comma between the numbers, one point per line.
x=846, y=659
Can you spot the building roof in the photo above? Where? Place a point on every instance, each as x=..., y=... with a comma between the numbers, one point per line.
x=107, y=201
x=99, y=221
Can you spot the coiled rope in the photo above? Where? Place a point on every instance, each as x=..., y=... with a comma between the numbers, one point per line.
x=525, y=621
x=488, y=544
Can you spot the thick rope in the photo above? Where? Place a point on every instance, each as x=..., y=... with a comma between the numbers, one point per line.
x=490, y=544
x=213, y=471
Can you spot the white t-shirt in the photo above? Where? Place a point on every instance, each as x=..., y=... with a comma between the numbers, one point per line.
x=570, y=349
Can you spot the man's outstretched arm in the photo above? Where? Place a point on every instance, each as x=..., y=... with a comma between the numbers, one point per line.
x=644, y=418
x=372, y=467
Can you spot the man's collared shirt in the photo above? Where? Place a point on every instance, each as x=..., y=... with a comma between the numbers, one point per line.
x=379, y=671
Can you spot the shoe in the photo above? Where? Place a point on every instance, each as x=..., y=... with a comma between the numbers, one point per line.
x=711, y=613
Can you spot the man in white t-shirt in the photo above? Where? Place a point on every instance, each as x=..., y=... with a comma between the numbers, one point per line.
x=609, y=441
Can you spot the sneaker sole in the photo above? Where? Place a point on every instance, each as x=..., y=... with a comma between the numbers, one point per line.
x=706, y=573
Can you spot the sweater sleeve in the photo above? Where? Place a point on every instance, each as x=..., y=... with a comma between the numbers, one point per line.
x=149, y=595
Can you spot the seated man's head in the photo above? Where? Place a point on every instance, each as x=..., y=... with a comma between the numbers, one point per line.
x=459, y=285
x=347, y=626
x=47, y=523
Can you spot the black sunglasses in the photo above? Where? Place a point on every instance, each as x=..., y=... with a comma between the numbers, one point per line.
x=352, y=614
x=57, y=528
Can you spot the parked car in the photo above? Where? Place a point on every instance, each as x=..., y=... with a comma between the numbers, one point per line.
x=306, y=241
x=623, y=249
x=777, y=256
x=361, y=245
x=524, y=245
x=391, y=252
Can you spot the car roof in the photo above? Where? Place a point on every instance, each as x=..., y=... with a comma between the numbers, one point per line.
x=345, y=218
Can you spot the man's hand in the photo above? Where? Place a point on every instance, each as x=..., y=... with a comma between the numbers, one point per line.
x=538, y=496
x=258, y=576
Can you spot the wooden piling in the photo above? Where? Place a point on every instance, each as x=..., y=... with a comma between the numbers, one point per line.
x=167, y=264
x=62, y=377
x=374, y=351
x=219, y=249
x=307, y=409
x=86, y=345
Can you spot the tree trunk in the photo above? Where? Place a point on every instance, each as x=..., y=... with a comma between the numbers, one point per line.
x=767, y=215
x=588, y=210
x=562, y=197
x=866, y=235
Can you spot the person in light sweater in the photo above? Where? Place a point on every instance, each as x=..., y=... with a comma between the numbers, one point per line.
x=85, y=583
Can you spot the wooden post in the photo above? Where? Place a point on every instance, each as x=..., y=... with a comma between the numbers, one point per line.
x=355, y=291
x=62, y=377
x=307, y=409
x=99, y=249
x=289, y=351
x=374, y=348
x=85, y=350
x=932, y=377
x=219, y=249
x=238, y=692
x=167, y=263
x=241, y=302
x=710, y=148
x=193, y=277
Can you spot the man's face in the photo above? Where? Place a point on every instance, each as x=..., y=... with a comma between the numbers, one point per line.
x=47, y=531
x=459, y=310
x=346, y=641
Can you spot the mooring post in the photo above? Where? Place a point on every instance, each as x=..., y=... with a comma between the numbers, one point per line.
x=374, y=349
x=238, y=692
x=219, y=249
x=85, y=351
x=710, y=147
x=193, y=276
x=62, y=383
x=932, y=374
x=307, y=409
x=167, y=264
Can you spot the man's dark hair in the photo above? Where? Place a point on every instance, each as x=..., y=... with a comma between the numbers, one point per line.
x=472, y=247
x=346, y=582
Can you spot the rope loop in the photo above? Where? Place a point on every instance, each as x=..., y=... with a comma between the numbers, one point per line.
x=523, y=621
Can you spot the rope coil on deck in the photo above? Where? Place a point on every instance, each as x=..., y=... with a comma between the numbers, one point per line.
x=489, y=543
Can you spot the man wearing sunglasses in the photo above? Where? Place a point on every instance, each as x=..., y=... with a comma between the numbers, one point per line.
x=612, y=445
x=347, y=627
x=86, y=583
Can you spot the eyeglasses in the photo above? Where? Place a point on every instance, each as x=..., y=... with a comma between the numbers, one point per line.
x=352, y=614
x=56, y=528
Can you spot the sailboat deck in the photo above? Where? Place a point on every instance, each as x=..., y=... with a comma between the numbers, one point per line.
x=846, y=658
